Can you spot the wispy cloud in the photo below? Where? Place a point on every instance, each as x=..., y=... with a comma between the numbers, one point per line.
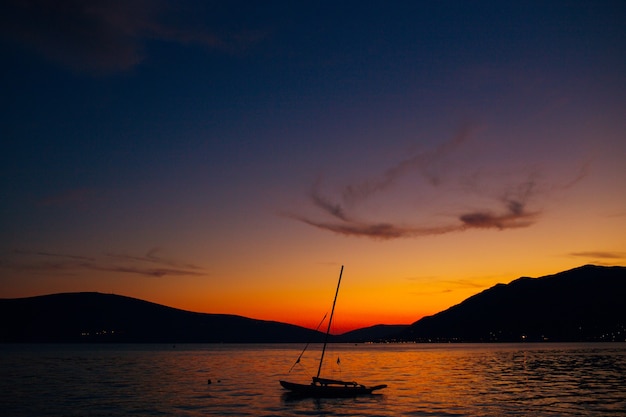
x=425, y=163
x=69, y=197
x=103, y=36
x=507, y=207
x=508, y=219
x=382, y=231
x=514, y=213
x=606, y=258
x=49, y=262
x=55, y=255
x=599, y=255
x=153, y=256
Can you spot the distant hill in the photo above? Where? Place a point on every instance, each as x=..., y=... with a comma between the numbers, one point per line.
x=380, y=332
x=582, y=304
x=95, y=317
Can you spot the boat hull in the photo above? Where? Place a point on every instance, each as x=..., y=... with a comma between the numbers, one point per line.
x=325, y=387
x=328, y=391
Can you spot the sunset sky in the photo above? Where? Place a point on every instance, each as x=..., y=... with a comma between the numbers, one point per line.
x=229, y=157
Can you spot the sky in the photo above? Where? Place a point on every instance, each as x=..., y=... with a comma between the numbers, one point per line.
x=229, y=157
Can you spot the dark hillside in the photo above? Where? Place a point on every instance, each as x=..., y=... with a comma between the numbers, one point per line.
x=96, y=317
x=380, y=332
x=582, y=304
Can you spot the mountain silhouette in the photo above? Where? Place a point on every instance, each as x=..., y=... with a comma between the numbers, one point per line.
x=96, y=317
x=379, y=332
x=583, y=304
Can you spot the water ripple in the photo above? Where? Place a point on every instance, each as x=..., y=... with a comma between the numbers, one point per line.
x=424, y=380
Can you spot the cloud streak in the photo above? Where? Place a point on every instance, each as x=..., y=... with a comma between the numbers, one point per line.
x=507, y=209
x=599, y=254
x=508, y=219
x=425, y=163
x=512, y=215
x=153, y=257
x=49, y=262
x=71, y=197
x=606, y=258
x=104, y=36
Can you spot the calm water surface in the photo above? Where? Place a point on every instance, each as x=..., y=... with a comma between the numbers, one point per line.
x=424, y=380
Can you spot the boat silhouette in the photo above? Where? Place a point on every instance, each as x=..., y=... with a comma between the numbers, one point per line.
x=325, y=387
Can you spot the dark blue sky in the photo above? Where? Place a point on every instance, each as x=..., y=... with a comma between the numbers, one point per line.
x=204, y=143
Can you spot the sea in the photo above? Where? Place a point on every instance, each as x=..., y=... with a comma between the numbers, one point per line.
x=242, y=380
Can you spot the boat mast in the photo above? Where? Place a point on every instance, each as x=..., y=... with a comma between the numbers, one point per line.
x=330, y=320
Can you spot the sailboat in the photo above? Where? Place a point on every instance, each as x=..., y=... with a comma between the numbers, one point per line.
x=325, y=387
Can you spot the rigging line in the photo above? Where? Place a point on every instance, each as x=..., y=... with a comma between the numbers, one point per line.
x=330, y=322
x=307, y=344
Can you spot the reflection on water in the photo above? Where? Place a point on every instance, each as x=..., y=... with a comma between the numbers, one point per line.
x=424, y=380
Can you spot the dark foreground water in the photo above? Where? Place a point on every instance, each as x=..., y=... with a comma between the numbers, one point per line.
x=424, y=380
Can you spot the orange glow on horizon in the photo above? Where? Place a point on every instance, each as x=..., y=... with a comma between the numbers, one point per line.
x=362, y=302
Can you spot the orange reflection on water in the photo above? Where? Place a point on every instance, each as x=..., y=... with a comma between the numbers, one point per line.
x=464, y=380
